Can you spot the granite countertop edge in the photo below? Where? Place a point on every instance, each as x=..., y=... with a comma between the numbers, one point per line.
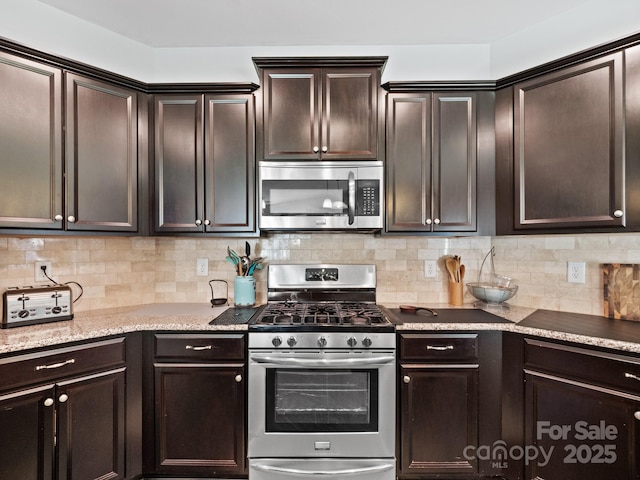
x=196, y=317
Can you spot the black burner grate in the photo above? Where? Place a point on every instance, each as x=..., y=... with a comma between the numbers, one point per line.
x=326, y=313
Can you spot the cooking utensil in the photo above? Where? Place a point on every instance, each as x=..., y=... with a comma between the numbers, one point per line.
x=412, y=309
x=450, y=263
x=215, y=301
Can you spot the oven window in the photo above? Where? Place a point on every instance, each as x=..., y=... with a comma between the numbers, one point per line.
x=305, y=197
x=318, y=400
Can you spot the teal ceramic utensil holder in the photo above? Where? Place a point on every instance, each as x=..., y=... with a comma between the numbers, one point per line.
x=244, y=291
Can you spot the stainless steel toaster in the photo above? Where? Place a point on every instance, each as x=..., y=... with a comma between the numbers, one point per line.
x=36, y=304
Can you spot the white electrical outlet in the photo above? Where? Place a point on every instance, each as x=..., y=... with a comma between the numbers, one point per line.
x=202, y=267
x=430, y=269
x=39, y=274
x=576, y=272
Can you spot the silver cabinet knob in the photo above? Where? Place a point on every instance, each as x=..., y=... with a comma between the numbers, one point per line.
x=63, y=398
x=207, y=222
x=48, y=402
x=618, y=213
x=437, y=221
x=325, y=149
x=406, y=379
x=58, y=218
x=198, y=222
x=71, y=219
x=238, y=378
x=316, y=149
x=428, y=221
x=637, y=415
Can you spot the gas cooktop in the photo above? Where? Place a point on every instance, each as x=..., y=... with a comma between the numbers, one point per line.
x=322, y=315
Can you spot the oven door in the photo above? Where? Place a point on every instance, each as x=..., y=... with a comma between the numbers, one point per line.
x=333, y=468
x=322, y=404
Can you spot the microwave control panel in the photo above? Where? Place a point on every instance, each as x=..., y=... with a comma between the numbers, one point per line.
x=367, y=198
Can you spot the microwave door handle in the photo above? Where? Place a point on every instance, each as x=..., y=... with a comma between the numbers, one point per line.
x=344, y=472
x=352, y=197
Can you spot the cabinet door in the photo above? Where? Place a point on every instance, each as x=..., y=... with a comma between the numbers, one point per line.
x=568, y=147
x=438, y=419
x=454, y=162
x=101, y=156
x=229, y=163
x=200, y=421
x=179, y=175
x=26, y=434
x=588, y=432
x=409, y=162
x=432, y=181
x=290, y=114
x=349, y=114
x=30, y=144
x=91, y=427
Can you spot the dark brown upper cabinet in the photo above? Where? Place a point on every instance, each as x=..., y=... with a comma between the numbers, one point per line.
x=320, y=109
x=31, y=179
x=95, y=186
x=205, y=163
x=438, y=172
x=101, y=156
x=565, y=167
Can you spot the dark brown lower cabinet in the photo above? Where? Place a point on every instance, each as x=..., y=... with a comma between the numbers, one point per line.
x=71, y=430
x=581, y=413
x=580, y=431
x=439, y=416
x=438, y=404
x=200, y=405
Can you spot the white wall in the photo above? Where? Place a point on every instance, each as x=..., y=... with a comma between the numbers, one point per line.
x=594, y=23
x=45, y=28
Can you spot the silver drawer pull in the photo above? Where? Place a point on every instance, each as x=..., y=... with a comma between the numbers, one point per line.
x=198, y=349
x=440, y=348
x=637, y=415
x=631, y=375
x=55, y=365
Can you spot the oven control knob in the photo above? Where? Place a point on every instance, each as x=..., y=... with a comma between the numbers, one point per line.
x=322, y=342
x=366, y=341
x=292, y=341
x=352, y=342
x=276, y=341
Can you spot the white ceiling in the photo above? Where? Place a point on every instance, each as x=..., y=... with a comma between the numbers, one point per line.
x=224, y=23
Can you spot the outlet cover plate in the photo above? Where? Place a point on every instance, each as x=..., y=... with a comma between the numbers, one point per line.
x=430, y=269
x=39, y=274
x=202, y=267
x=576, y=272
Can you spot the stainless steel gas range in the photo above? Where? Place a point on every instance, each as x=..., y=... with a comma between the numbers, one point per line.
x=321, y=377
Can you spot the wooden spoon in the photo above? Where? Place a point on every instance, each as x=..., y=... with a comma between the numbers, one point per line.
x=450, y=263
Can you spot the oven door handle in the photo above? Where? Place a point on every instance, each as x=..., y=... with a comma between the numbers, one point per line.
x=346, y=471
x=352, y=197
x=324, y=362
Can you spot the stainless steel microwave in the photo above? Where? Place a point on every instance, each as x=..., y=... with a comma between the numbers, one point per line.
x=321, y=195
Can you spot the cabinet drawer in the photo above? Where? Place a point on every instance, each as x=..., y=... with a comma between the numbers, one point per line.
x=50, y=365
x=199, y=347
x=606, y=369
x=438, y=347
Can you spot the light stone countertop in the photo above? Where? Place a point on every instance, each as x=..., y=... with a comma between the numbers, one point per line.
x=196, y=317
x=115, y=321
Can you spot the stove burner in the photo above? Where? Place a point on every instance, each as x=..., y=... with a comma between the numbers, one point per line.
x=321, y=314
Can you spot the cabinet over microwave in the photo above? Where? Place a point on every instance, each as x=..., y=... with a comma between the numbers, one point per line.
x=321, y=195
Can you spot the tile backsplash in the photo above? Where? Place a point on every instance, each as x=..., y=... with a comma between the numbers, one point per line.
x=121, y=271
